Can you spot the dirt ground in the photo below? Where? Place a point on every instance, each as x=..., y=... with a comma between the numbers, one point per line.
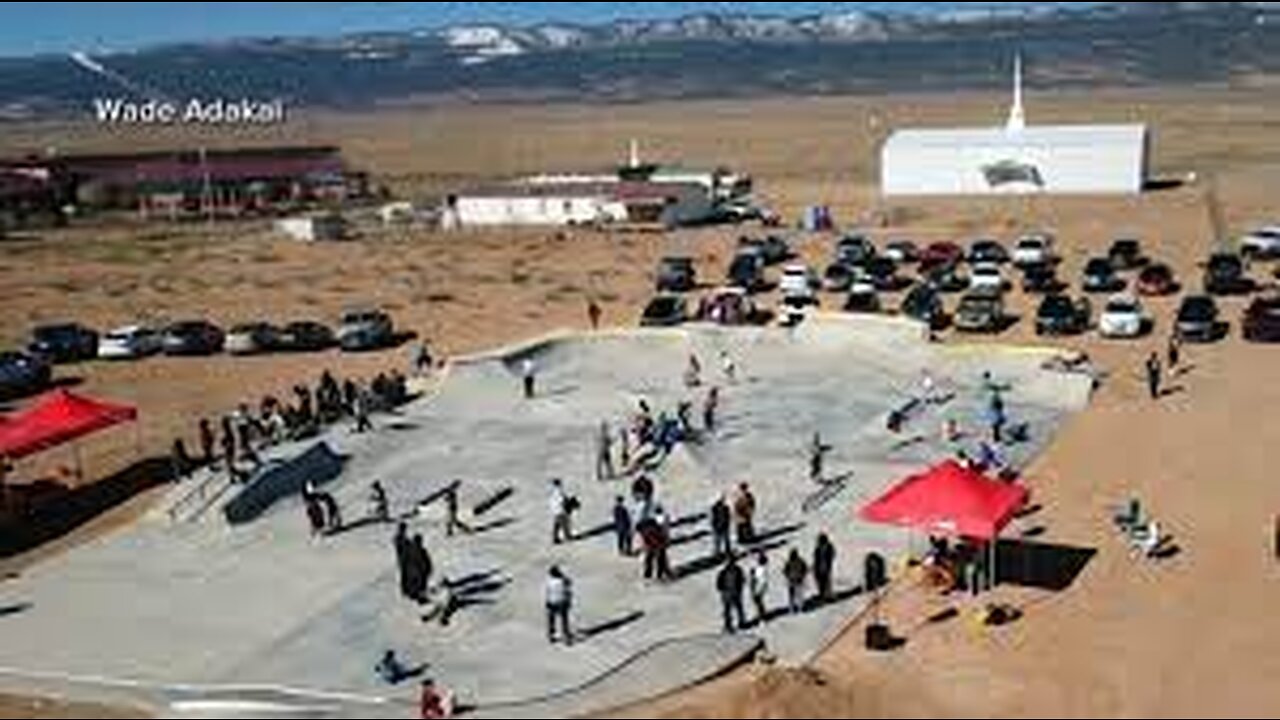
x=1191, y=635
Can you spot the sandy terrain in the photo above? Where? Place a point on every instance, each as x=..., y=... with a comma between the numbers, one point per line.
x=1192, y=635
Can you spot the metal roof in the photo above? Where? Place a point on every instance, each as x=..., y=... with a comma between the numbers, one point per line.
x=1032, y=135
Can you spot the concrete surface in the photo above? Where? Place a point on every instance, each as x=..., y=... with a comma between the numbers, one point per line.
x=183, y=599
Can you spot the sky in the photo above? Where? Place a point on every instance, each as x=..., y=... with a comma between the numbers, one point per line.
x=29, y=28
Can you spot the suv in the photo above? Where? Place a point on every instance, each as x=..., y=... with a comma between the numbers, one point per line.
x=1033, y=249
x=772, y=249
x=252, y=338
x=1197, y=319
x=1061, y=315
x=1040, y=278
x=798, y=285
x=1100, y=277
x=1262, y=320
x=192, y=337
x=854, y=250
x=64, y=342
x=924, y=303
x=305, y=336
x=1261, y=244
x=1224, y=275
x=664, y=311
x=23, y=374
x=365, y=330
x=747, y=271
x=1126, y=254
x=980, y=310
x=676, y=274
x=987, y=251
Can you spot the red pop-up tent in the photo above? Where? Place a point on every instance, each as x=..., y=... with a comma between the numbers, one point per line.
x=951, y=500
x=57, y=418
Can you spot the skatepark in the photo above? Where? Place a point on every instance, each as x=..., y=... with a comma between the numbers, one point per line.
x=191, y=616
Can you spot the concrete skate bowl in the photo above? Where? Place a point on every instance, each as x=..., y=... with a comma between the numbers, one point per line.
x=188, y=601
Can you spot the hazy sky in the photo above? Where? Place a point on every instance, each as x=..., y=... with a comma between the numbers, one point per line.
x=30, y=28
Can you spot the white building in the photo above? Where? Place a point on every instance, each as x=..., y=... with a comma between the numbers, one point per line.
x=1016, y=158
x=580, y=203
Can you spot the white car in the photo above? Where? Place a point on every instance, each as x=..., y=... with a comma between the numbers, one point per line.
x=1261, y=243
x=863, y=283
x=986, y=276
x=1033, y=249
x=1122, y=317
x=130, y=342
x=798, y=284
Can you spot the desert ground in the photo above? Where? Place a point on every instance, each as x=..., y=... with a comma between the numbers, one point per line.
x=1190, y=635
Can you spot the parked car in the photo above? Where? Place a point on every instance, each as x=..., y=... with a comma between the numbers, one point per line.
x=1062, y=315
x=1126, y=254
x=305, y=336
x=854, y=250
x=1101, y=277
x=365, y=329
x=252, y=338
x=1197, y=319
x=676, y=274
x=1123, y=317
x=902, y=252
x=884, y=274
x=1261, y=323
x=64, y=342
x=981, y=310
x=837, y=278
x=986, y=276
x=773, y=249
x=1040, y=278
x=665, y=310
x=747, y=272
x=1157, y=279
x=862, y=301
x=948, y=278
x=940, y=254
x=192, y=337
x=730, y=306
x=23, y=374
x=1261, y=244
x=1033, y=249
x=1224, y=275
x=129, y=342
x=798, y=285
x=924, y=303
x=987, y=251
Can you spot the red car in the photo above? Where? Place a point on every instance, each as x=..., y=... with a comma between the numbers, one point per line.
x=1157, y=279
x=941, y=254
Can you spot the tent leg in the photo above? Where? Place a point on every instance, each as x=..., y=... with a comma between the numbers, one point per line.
x=75, y=451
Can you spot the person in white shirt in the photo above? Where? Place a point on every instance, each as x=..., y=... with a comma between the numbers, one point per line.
x=758, y=583
x=559, y=598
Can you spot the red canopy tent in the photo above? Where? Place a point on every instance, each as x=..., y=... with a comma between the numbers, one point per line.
x=57, y=418
x=949, y=499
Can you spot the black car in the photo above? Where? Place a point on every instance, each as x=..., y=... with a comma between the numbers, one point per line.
x=1040, y=278
x=948, y=279
x=924, y=303
x=747, y=272
x=837, y=278
x=1224, y=275
x=664, y=311
x=1101, y=277
x=1262, y=320
x=1197, y=319
x=305, y=336
x=64, y=342
x=987, y=251
x=23, y=374
x=854, y=250
x=192, y=337
x=1062, y=315
x=902, y=251
x=862, y=302
x=1126, y=254
x=883, y=273
x=773, y=249
x=676, y=274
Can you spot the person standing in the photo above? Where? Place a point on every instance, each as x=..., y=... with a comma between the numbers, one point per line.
x=759, y=582
x=528, y=373
x=824, y=562
x=744, y=510
x=593, y=314
x=730, y=583
x=361, y=407
x=817, y=451
x=452, y=520
x=432, y=703
x=1174, y=350
x=622, y=526
x=795, y=571
x=379, y=508
x=206, y=441
x=1153, y=376
x=349, y=394
x=693, y=372
x=721, y=519
x=624, y=448
x=559, y=600
x=420, y=559
x=729, y=367
x=996, y=417
x=404, y=563
x=558, y=504
x=182, y=464
x=709, y=408
x=604, y=453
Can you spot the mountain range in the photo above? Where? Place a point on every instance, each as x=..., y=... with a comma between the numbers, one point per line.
x=703, y=55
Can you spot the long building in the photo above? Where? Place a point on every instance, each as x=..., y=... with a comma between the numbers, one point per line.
x=1016, y=158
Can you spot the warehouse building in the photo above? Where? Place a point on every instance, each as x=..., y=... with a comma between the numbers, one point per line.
x=1016, y=158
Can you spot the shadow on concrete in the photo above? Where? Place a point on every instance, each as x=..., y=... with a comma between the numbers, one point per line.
x=597, y=531
x=710, y=562
x=774, y=534
x=610, y=625
x=690, y=538
x=1040, y=565
x=556, y=392
x=492, y=525
x=18, y=609
x=493, y=500
x=688, y=520
x=356, y=525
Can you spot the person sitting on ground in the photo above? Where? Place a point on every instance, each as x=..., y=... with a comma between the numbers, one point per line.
x=379, y=508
